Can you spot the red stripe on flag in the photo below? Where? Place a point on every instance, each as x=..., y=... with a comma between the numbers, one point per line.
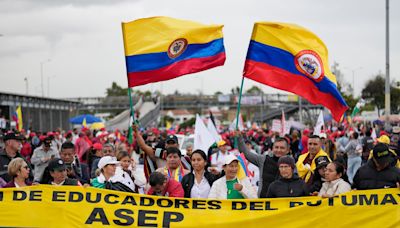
x=282, y=79
x=175, y=70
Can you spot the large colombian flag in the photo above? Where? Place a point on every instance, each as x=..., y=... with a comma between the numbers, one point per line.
x=162, y=48
x=291, y=58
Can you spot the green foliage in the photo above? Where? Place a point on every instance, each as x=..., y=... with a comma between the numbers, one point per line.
x=374, y=92
x=188, y=123
x=116, y=90
x=254, y=90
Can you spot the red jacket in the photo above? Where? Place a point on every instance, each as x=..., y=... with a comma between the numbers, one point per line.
x=172, y=189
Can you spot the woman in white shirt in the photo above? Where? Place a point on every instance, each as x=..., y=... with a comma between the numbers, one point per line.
x=334, y=184
x=197, y=184
x=126, y=173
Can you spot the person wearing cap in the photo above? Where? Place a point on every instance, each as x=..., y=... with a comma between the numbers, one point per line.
x=164, y=186
x=174, y=168
x=95, y=155
x=319, y=175
x=58, y=173
x=354, y=151
x=11, y=149
x=395, y=161
x=41, y=158
x=378, y=171
x=306, y=163
x=157, y=157
x=367, y=143
x=288, y=184
x=107, y=166
x=334, y=183
x=19, y=170
x=267, y=164
x=230, y=186
x=218, y=158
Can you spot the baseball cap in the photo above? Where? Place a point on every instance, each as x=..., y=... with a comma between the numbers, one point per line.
x=396, y=130
x=381, y=153
x=384, y=139
x=107, y=160
x=97, y=146
x=57, y=164
x=221, y=143
x=321, y=161
x=12, y=135
x=172, y=138
x=322, y=135
x=229, y=159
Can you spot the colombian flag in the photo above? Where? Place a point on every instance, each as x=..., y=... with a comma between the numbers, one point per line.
x=291, y=58
x=163, y=48
x=17, y=117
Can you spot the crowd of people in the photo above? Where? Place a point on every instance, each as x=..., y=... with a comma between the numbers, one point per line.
x=298, y=164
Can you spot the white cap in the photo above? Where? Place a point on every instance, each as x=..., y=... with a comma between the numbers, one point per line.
x=107, y=160
x=322, y=135
x=229, y=159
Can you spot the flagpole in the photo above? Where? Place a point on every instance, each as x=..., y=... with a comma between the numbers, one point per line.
x=236, y=145
x=238, y=108
x=132, y=112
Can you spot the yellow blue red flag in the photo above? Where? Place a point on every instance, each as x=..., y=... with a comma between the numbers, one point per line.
x=163, y=48
x=17, y=117
x=292, y=58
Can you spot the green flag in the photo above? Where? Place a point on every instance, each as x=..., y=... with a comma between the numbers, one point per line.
x=358, y=107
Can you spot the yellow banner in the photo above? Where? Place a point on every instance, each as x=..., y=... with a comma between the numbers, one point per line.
x=48, y=206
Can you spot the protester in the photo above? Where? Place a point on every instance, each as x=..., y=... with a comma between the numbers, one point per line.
x=18, y=169
x=218, y=158
x=163, y=186
x=229, y=186
x=267, y=164
x=319, y=175
x=173, y=168
x=58, y=173
x=75, y=169
x=306, y=163
x=41, y=158
x=197, y=184
x=94, y=157
x=12, y=145
x=334, y=184
x=158, y=155
x=107, y=166
x=354, y=151
x=127, y=174
x=289, y=184
x=377, y=172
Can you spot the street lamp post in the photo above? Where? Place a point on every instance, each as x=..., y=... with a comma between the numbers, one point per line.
x=48, y=85
x=353, y=75
x=26, y=85
x=41, y=74
x=387, y=82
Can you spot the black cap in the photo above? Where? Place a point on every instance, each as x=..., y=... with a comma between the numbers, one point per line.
x=172, y=138
x=12, y=135
x=57, y=164
x=381, y=153
x=322, y=161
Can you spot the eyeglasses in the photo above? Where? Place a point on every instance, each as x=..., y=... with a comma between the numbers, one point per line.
x=25, y=167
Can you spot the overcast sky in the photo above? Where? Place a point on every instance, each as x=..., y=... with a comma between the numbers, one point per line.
x=83, y=41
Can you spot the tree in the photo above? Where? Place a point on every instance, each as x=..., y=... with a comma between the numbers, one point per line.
x=218, y=93
x=116, y=90
x=254, y=90
x=374, y=92
x=235, y=90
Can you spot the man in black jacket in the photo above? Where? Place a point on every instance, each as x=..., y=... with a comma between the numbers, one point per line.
x=267, y=164
x=12, y=143
x=378, y=171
